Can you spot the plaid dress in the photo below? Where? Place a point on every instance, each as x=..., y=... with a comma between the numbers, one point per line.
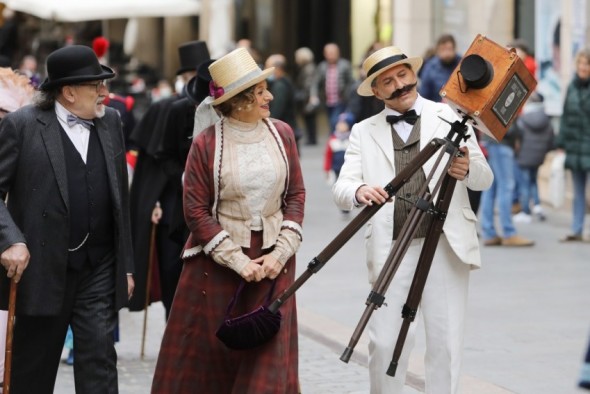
x=192, y=359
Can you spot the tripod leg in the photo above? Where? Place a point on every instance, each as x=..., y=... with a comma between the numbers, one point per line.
x=392, y=263
x=396, y=255
x=318, y=262
x=410, y=308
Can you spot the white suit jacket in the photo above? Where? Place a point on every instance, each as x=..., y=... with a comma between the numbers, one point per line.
x=369, y=160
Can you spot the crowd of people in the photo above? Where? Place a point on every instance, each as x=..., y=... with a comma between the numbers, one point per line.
x=205, y=196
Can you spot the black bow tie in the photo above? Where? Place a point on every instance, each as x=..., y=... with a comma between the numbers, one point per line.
x=409, y=117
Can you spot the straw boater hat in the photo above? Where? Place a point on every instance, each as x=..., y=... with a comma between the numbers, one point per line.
x=381, y=61
x=234, y=73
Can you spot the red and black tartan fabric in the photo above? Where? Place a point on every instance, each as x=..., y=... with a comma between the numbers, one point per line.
x=193, y=360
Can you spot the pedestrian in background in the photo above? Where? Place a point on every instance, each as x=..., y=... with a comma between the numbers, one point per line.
x=244, y=203
x=332, y=83
x=65, y=234
x=585, y=375
x=535, y=138
x=305, y=78
x=574, y=139
x=501, y=158
x=439, y=68
x=363, y=107
x=282, y=106
x=380, y=147
x=336, y=146
x=155, y=188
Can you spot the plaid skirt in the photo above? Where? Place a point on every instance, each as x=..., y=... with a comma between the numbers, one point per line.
x=193, y=360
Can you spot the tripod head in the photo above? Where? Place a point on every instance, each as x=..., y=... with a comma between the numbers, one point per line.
x=458, y=130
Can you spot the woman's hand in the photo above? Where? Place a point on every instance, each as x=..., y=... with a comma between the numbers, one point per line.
x=253, y=271
x=271, y=266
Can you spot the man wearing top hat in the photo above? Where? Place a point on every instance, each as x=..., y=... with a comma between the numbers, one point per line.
x=380, y=147
x=154, y=188
x=64, y=232
x=175, y=147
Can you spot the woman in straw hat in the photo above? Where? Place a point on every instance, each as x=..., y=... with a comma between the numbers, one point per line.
x=243, y=203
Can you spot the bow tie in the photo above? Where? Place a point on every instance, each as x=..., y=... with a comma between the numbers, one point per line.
x=409, y=117
x=73, y=120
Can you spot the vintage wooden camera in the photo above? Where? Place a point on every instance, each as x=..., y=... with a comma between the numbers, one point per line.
x=490, y=85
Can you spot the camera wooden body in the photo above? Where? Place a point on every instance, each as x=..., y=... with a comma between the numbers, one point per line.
x=493, y=108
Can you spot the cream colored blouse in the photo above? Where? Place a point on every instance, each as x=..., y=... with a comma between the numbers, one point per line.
x=252, y=180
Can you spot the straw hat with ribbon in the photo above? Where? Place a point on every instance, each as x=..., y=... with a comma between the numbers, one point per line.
x=381, y=61
x=234, y=73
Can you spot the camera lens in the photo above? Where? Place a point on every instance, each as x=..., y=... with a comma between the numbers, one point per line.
x=476, y=71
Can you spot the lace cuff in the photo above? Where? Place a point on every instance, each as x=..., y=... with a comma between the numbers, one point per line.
x=287, y=245
x=229, y=255
x=222, y=235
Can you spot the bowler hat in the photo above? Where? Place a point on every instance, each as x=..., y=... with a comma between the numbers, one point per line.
x=381, y=61
x=191, y=55
x=74, y=64
x=234, y=73
x=197, y=87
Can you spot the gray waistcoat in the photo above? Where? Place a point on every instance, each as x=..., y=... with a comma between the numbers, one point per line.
x=404, y=152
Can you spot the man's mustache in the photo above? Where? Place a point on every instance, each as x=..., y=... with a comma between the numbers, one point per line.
x=401, y=91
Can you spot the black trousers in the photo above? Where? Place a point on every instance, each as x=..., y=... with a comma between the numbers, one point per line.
x=89, y=307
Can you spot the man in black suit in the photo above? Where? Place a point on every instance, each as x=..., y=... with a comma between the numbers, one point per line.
x=154, y=189
x=64, y=231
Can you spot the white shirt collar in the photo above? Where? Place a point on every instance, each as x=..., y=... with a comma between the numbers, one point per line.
x=62, y=113
x=418, y=105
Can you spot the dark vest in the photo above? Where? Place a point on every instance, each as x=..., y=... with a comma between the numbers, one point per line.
x=91, y=208
x=404, y=152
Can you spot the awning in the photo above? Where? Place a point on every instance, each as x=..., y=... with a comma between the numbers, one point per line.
x=84, y=10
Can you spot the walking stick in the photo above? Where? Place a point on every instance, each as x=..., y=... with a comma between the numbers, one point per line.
x=9, y=335
x=148, y=286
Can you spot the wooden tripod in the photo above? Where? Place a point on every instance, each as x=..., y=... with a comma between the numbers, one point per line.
x=423, y=205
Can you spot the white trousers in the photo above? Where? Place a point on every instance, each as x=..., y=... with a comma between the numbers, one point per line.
x=442, y=307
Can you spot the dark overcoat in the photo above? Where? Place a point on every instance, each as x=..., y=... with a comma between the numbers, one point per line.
x=574, y=127
x=149, y=181
x=33, y=176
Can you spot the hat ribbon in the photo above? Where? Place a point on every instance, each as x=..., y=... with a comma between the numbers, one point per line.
x=235, y=84
x=386, y=62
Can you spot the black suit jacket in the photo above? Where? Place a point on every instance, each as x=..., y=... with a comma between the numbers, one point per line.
x=33, y=176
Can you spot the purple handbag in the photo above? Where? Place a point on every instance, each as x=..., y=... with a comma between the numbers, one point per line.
x=251, y=329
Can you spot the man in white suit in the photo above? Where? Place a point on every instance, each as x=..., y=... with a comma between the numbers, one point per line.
x=379, y=148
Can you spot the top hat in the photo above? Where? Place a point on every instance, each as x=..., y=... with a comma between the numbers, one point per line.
x=234, y=73
x=74, y=64
x=381, y=61
x=197, y=87
x=191, y=55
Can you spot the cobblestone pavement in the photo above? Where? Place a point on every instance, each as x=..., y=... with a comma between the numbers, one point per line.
x=527, y=321
x=320, y=370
